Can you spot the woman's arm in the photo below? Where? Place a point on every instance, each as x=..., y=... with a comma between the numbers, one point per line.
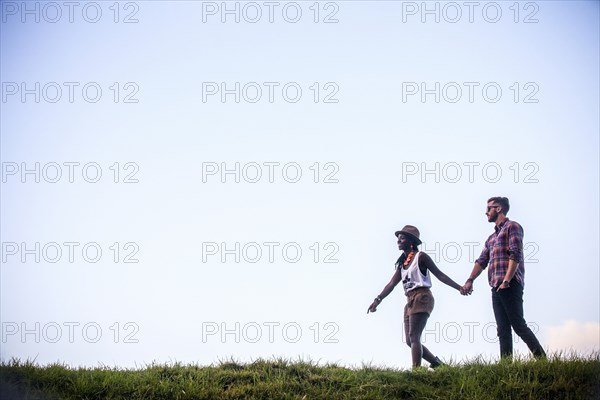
x=426, y=262
x=386, y=290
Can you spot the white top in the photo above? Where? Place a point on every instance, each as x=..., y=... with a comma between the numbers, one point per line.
x=412, y=278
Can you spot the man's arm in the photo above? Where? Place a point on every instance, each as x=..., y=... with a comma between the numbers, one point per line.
x=510, y=272
x=468, y=286
x=515, y=241
x=515, y=253
x=480, y=264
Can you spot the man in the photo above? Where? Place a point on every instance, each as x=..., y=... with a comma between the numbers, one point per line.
x=503, y=256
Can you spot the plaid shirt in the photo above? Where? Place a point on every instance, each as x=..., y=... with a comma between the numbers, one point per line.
x=506, y=243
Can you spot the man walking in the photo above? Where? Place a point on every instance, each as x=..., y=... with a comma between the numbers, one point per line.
x=503, y=256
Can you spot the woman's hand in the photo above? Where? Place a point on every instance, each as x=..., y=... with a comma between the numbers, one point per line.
x=373, y=306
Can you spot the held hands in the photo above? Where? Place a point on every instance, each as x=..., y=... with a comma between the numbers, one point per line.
x=467, y=288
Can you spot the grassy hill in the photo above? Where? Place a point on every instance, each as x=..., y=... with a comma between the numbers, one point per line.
x=556, y=378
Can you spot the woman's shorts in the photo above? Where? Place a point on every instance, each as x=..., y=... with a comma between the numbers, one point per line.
x=419, y=300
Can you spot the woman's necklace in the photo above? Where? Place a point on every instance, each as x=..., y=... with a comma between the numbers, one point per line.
x=409, y=258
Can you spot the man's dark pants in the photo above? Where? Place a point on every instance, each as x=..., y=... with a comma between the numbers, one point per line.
x=508, y=310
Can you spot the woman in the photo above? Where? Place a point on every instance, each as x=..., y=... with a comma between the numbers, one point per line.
x=412, y=268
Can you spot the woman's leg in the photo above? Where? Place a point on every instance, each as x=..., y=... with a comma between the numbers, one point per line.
x=416, y=325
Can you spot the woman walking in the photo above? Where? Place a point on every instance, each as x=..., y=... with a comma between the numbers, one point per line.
x=412, y=269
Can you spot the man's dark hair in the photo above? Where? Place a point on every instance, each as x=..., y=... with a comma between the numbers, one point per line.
x=502, y=202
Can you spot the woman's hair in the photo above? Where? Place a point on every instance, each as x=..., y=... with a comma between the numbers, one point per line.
x=414, y=243
x=402, y=257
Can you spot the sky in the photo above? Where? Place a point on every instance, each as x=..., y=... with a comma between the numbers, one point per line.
x=196, y=181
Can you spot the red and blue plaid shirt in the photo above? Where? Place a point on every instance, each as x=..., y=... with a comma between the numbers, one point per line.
x=506, y=243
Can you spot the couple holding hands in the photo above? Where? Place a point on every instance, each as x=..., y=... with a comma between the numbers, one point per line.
x=502, y=255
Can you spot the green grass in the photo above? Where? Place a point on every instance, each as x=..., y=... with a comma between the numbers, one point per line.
x=575, y=377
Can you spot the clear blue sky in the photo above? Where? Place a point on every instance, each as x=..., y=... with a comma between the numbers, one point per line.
x=171, y=139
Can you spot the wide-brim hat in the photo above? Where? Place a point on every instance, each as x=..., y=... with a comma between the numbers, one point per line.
x=411, y=231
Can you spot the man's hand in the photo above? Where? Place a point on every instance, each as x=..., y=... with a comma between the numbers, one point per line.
x=467, y=288
x=504, y=285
